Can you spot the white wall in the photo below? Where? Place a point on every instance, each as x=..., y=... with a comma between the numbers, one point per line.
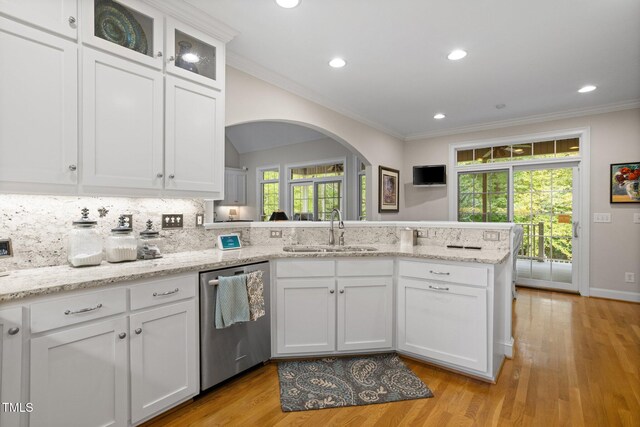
x=249, y=99
x=231, y=156
x=615, y=138
x=297, y=153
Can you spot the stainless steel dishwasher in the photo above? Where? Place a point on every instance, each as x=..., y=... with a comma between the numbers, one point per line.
x=229, y=351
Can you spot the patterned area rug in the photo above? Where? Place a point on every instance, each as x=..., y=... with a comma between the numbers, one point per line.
x=353, y=381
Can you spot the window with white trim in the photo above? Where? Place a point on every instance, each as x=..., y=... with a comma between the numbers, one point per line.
x=315, y=190
x=269, y=189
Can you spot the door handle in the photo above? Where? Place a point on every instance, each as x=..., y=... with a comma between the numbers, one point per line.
x=576, y=224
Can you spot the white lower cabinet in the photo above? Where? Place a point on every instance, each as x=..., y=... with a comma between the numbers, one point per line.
x=365, y=313
x=306, y=315
x=443, y=322
x=164, y=358
x=79, y=376
x=11, y=366
x=333, y=313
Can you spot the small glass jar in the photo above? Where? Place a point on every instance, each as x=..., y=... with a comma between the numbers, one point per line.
x=150, y=244
x=84, y=244
x=121, y=244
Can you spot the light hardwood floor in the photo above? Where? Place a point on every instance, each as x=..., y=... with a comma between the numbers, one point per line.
x=577, y=363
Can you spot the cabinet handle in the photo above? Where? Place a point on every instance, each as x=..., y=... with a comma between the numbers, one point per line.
x=441, y=273
x=73, y=168
x=172, y=58
x=13, y=331
x=138, y=331
x=83, y=310
x=72, y=20
x=438, y=288
x=342, y=291
x=159, y=54
x=122, y=335
x=155, y=294
x=331, y=291
x=160, y=175
x=172, y=176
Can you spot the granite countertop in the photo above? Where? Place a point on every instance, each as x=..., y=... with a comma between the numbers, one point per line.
x=47, y=280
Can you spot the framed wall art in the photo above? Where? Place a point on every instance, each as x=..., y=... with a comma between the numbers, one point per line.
x=388, y=190
x=624, y=181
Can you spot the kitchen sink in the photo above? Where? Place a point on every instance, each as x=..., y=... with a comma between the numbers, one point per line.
x=327, y=248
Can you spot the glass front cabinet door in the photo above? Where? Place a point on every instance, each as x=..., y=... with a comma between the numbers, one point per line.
x=128, y=28
x=194, y=55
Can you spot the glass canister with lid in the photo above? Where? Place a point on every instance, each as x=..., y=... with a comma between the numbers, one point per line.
x=121, y=244
x=150, y=243
x=84, y=245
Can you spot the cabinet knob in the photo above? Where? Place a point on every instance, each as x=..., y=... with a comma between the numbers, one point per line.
x=331, y=291
x=13, y=331
x=172, y=58
x=73, y=168
x=172, y=176
x=138, y=331
x=72, y=20
x=159, y=54
x=160, y=175
x=122, y=335
x=342, y=291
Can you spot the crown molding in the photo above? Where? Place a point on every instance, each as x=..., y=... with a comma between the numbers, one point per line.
x=196, y=18
x=539, y=118
x=246, y=65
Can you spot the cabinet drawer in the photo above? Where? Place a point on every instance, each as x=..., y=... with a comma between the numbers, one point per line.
x=305, y=268
x=364, y=267
x=161, y=291
x=474, y=276
x=71, y=310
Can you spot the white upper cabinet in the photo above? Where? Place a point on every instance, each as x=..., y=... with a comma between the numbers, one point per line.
x=194, y=120
x=58, y=16
x=194, y=55
x=128, y=28
x=122, y=123
x=235, y=187
x=38, y=106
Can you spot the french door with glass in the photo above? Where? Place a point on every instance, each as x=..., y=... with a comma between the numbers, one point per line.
x=543, y=199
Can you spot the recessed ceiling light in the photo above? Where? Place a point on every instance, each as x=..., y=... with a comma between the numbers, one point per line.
x=457, y=54
x=337, y=63
x=587, y=88
x=439, y=116
x=288, y=4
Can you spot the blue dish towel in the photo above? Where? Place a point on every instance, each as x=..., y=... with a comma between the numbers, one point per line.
x=232, y=302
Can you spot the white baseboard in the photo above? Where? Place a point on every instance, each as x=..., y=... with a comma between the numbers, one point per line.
x=507, y=348
x=619, y=295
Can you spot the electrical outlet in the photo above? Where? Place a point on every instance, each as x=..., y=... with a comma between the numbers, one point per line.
x=492, y=236
x=630, y=277
x=275, y=234
x=636, y=218
x=172, y=221
x=422, y=233
x=128, y=220
x=602, y=217
x=199, y=220
x=5, y=248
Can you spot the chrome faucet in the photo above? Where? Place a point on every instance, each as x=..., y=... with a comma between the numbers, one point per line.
x=332, y=239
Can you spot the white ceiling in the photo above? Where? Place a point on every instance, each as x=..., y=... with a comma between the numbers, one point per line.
x=532, y=56
x=257, y=136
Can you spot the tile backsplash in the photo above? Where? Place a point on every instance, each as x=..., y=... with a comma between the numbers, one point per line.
x=38, y=225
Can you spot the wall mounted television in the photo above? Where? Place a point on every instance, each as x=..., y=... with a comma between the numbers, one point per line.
x=430, y=176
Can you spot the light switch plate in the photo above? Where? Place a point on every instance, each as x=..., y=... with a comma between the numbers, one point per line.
x=5, y=248
x=636, y=218
x=629, y=277
x=172, y=221
x=602, y=217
